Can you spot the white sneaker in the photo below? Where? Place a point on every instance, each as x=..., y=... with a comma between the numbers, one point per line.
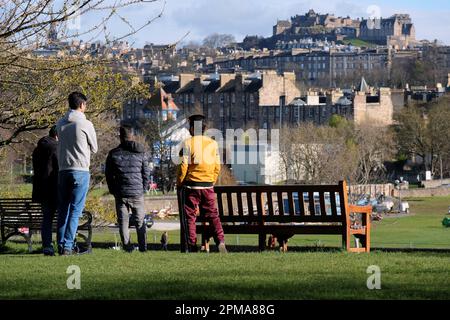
x=222, y=248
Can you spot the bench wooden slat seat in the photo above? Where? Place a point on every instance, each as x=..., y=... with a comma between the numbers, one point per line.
x=289, y=210
x=17, y=213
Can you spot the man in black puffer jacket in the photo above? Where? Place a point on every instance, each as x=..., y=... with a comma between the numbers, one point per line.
x=127, y=175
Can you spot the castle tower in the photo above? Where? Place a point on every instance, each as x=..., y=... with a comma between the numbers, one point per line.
x=52, y=36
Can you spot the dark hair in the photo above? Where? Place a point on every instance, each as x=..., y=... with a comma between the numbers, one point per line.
x=126, y=132
x=193, y=119
x=76, y=99
x=53, y=133
x=192, y=128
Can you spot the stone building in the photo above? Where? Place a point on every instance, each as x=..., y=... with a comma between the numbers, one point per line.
x=269, y=100
x=397, y=30
x=161, y=107
x=311, y=22
x=235, y=100
x=365, y=104
x=316, y=67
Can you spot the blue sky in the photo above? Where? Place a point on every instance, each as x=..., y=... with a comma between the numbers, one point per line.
x=256, y=17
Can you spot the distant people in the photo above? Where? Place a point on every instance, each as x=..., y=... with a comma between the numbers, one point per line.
x=77, y=140
x=197, y=174
x=45, y=184
x=127, y=175
x=164, y=240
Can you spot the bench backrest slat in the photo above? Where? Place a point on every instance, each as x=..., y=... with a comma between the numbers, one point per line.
x=250, y=203
x=333, y=203
x=291, y=204
x=230, y=203
x=301, y=203
x=280, y=203
x=311, y=204
x=343, y=201
x=270, y=203
x=323, y=209
x=239, y=203
x=259, y=204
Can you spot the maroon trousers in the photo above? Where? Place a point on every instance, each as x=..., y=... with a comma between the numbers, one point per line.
x=202, y=200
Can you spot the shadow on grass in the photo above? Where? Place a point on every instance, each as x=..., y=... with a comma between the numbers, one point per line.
x=7, y=250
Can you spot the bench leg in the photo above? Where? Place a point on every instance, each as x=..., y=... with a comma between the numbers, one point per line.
x=3, y=232
x=17, y=233
x=29, y=242
x=89, y=240
x=262, y=241
x=205, y=242
x=346, y=238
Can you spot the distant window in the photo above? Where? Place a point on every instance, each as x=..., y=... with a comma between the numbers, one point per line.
x=252, y=98
x=186, y=98
x=311, y=112
x=251, y=113
x=221, y=98
x=210, y=98
x=210, y=115
x=233, y=98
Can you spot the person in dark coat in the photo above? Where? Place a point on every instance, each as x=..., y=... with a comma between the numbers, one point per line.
x=45, y=184
x=127, y=175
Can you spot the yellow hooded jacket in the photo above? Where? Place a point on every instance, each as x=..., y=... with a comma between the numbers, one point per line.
x=200, y=162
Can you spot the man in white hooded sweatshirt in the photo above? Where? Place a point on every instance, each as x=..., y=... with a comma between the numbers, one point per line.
x=77, y=140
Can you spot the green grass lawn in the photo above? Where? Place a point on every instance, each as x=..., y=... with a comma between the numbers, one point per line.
x=310, y=274
x=359, y=43
x=108, y=274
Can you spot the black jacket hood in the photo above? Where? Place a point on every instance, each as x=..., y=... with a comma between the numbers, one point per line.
x=132, y=146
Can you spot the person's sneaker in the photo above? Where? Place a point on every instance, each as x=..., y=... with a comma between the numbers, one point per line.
x=68, y=252
x=49, y=251
x=222, y=248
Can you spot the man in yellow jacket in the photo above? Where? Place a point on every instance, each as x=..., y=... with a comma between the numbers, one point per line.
x=197, y=174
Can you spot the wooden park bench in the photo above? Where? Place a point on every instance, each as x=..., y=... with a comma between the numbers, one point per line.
x=16, y=214
x=288, y=210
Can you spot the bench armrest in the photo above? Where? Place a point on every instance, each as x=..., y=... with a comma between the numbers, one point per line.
x=88, y=215
x=360, y=209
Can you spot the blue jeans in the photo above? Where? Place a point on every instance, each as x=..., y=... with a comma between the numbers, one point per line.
x=73, y=186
